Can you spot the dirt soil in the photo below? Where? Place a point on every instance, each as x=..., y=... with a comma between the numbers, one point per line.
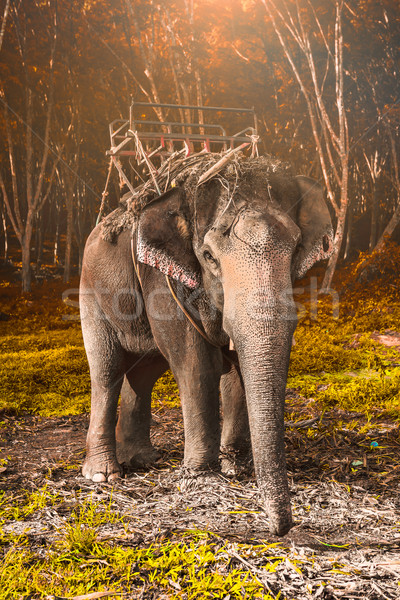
x=345, y=497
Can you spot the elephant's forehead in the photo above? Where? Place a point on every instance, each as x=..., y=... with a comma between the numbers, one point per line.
x=253, y=230
x=217, y=204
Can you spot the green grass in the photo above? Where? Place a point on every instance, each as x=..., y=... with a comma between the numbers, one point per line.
x=84, y=511
x=47, y=373
x=195, y=569
x=365, y=391
x=165, y=392
x=79, y=561
x=26, y=504
x=44, y=373
x=328, y=363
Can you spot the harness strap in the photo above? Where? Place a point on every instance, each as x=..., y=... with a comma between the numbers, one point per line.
x=227, y=355
x=187, y=315
x=181, y=306
x=135, y=265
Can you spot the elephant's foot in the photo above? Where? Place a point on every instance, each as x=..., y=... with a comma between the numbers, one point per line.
x=235, y=462
x=137, y=456
x=192, y=480
x=101, y=466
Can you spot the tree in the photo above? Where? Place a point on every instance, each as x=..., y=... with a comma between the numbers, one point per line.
x=328, y=122
x=4, y=22
x=27, y=198
x=305, y=65
x=377, y=83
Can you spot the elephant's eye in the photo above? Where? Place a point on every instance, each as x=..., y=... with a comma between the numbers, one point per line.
x=209, y=257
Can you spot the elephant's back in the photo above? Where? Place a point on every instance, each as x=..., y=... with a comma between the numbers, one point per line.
x=107, y=263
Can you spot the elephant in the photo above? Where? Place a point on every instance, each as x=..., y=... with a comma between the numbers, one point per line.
x=207, y=265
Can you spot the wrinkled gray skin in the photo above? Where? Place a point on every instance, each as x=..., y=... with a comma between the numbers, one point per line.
x=246, y=253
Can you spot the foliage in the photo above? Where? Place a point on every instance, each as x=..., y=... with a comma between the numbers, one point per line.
x=383, y=265
x=195, y=569
x=165, y=392
x=27, y=505
x=45, y=381
x=79, y=561
x=215, y=53
x=336, y=361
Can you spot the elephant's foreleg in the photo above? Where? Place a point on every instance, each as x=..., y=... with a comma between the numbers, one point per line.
x=197, y=368
x=235, y=438
x=198, y=381
x=105, y=358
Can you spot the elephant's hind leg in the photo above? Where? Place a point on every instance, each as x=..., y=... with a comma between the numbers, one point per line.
x=235, y=438
x=134, y=448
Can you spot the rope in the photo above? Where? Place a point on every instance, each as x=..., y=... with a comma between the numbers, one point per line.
x=187, y=315
x=135, y=265
x=181, y=306
x=175, y=297
x=150, y=166
x=254, y=144
x=105, y=193
x=199, y=329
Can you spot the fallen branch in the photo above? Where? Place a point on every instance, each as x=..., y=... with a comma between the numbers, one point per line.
x=301, y=424
x=221, y=163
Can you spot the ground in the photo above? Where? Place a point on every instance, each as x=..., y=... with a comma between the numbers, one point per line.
x=165, y=533
x=345, y=544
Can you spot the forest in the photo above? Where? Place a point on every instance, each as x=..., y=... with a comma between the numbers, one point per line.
x=322, y=77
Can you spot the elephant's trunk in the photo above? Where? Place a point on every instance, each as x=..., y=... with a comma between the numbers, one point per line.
x=263, y=346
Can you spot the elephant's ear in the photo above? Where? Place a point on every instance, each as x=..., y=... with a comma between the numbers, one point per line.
x=315, y=224
x=164, y=239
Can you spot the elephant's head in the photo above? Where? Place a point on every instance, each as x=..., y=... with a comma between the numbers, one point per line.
x=244, y=238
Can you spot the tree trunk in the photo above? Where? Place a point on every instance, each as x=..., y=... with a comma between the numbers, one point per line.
x=81, y=250
x=348, y=235
x=39, y=242
x=4, y=22
x=68, y=246
x=57, y=236
x=330, y=270
x=390, y=227
x=35, y=166
x=330, y=136
x=374, y=220
x=5, y=232
x=26, y=262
